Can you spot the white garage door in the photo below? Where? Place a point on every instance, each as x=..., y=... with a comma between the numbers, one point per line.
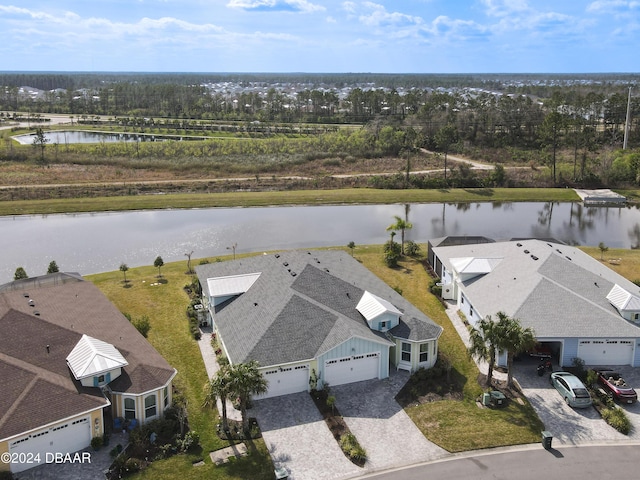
x=286, y=380
x=64, y=438
x=606, y=352
x=352, y=369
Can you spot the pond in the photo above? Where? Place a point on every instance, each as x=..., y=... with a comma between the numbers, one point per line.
x=65, y=137
x=97, y=242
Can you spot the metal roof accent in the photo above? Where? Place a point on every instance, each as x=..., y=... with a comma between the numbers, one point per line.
x=622, y=299
x=474, y=265
x=231, y=285
x=372, y=306
x=91, y=357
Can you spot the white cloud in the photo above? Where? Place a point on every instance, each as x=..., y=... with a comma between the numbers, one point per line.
x=349, y=7
x=502, y=8
x=302, y=6
x=612, y=6
x=378, y=15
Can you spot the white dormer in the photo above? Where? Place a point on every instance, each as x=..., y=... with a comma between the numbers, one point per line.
x=380, y=314
x=470, y=267
x=627, y=304
x=94, y=362
x=222, y=289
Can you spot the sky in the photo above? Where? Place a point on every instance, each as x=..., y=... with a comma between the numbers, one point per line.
x=383, y=36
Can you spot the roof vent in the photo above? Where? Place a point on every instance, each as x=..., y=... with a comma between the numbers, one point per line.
x=558, y=250
x=36, y=313
x=286, y=264
x=518, y=244
x=277, y=255
x=25, y=295
x=31, y=302
x=568, y=258
x=326, y=270
x=534, y=257
x=255, y=304
x=293, y=274
x=550, y=245
x=526, y=251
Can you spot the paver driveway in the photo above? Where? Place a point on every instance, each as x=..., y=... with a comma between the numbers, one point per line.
x=299, y=440
x=569, y=425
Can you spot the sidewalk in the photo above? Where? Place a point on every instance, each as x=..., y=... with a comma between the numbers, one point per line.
x=211, y=365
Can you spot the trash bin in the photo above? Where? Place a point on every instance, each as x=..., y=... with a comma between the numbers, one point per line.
x=546, y=439
x=486, y=399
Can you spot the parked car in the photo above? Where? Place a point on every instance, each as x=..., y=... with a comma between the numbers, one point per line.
x=540, y=351
x=570, y=387
x=613, y=383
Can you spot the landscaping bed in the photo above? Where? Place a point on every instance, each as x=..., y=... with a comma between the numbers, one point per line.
x=338, y=427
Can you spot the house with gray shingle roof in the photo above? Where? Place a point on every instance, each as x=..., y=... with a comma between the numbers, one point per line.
x=71, y=363
x=307, y=316
x=576, y=305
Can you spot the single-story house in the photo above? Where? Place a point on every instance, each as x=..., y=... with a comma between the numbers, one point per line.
x=310, y=317
x=70, y=364
x=576, y=305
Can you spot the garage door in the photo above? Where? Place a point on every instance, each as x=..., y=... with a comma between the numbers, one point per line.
x=352, y=369
x=286, y=380
x=606, y=352
x=64, y=438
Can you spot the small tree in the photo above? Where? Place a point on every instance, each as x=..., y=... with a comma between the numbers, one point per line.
x=20, y=274
x=400, y=225
x=53, y=267
x=40, y=141
x=143, y=325
x=188, y=255
x=123, y=268
x=246, y=380
x=219, y=386
x=351, y=246
x=603, y=249
x=158, y=263
x=484, y=340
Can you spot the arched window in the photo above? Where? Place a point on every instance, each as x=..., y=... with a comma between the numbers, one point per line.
x=150, y=406
x=129, y=408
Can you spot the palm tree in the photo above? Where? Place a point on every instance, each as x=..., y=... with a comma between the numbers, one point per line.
x=245, y=381
x=484, y=340
x=219, y=386
x=514, y=339
x=400, y=225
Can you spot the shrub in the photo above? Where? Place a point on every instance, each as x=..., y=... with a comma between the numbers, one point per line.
x=190, y=440
x=411, y=248
x=350, y=446
x=132, y=465
x=143, y=325
x=617, y=419
x=96, y=443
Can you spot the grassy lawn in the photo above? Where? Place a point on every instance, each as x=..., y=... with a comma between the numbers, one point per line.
x=296, y=197
x=165, y=306
x=454, y=425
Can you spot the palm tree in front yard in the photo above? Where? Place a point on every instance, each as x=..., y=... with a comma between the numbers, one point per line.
x=400, y=225
x=245, y=381
x=219, y=386
x=514, y=339
x=484, y=341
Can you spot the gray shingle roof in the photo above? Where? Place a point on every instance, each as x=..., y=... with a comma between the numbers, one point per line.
x=556, y=289
x=302, y=305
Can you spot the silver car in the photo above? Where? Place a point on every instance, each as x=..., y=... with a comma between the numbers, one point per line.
x=573, y=391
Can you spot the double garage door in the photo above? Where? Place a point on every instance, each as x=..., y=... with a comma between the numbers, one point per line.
x=352, y=369
x=68, y=437
x=603, y=351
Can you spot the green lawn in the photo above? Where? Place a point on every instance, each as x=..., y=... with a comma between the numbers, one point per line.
x=454, y=425
x=165, y=306
x=296, y=197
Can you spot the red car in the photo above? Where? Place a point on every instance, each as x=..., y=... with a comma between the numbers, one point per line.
x=616, y=386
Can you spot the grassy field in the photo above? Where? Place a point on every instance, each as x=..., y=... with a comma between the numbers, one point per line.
x=298, y=197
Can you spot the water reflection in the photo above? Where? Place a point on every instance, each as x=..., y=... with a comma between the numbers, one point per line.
x=78, y=136
x=89, y=243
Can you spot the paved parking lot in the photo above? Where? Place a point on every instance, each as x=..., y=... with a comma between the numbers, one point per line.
x=569, y=425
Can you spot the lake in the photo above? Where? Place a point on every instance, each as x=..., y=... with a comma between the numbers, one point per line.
x=97, y=242
x=80, y=136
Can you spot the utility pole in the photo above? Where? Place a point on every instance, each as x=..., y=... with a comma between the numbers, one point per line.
x=627, y=122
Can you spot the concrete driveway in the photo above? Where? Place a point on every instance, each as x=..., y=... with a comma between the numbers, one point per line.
x=569, y=425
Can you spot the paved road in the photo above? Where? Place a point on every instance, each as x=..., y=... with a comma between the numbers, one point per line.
x=529, y=463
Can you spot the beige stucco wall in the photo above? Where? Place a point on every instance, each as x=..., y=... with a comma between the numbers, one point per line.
x=4, y=448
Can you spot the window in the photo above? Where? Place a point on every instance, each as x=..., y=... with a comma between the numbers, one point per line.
x=636, y=316
x=471, y=312
x=129, y=409
x=424, y=352
x=166, y=397
x=150, y=406
x=383, y=325
x=101, y=379
x=406, y=352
